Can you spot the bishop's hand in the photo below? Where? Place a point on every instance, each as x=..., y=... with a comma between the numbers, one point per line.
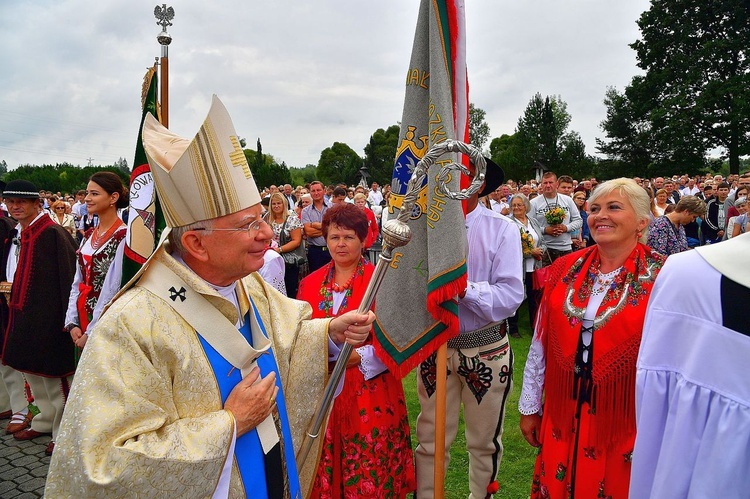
x=252, y=402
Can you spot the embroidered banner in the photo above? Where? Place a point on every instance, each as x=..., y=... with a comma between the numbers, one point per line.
x=145, y=219
x=416, y=303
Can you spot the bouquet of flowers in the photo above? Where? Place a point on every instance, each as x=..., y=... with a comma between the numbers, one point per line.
x=555, y=216
x=527, y=243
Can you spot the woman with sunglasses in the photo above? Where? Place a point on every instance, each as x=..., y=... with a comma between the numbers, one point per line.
x=61, y=217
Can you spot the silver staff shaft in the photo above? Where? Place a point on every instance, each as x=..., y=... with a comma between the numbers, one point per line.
x=396, y=233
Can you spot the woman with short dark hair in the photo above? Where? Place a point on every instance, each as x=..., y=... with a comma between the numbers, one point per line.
x=367, y=440
x=666, y=234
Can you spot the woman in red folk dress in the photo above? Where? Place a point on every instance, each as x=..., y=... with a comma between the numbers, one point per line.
x=105, y=194
x=367, y=446
x=583, y=355
x=373, y=230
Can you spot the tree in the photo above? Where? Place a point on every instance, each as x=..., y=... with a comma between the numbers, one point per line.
x=504, y=152
x=62, y=177
x=339, y=163
x=479, y=130
x=380, y=154
x=266, y=170
x=628, y=135
x=302, y=176
x=637, y=143
x=573, y=158
x=278, y=174
x=122, y=164
x=3, y=168
x=697, y=77
x=540, y=134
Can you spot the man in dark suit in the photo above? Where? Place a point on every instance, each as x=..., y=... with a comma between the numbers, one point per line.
x=291, y=199
x=673, y=195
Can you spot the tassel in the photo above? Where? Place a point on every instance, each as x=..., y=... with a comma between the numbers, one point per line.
x=492, y=488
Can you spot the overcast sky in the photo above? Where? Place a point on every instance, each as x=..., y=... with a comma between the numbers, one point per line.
x=298, y=75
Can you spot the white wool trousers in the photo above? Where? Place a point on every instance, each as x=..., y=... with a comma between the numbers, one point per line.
x=12, y=390
x=50, y=395
x=481, y=379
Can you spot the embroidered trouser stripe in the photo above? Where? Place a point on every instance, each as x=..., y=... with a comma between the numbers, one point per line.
x=499, y=429
x=484, y=410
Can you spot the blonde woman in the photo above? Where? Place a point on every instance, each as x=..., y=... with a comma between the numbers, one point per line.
x=582, y=358
x=60, y=214
x=287, y=232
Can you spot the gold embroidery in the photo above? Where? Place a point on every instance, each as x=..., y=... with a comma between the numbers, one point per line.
x=238, y=157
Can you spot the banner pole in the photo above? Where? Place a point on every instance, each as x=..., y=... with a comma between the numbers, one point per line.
x=441, y=373
x=164, y=15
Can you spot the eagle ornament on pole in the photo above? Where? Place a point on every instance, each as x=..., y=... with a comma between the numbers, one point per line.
x=164, y=15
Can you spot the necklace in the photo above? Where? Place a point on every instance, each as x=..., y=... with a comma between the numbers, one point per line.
x=549, y=206
x=98, y=239
x=604, y=281
x=348, y=284
x=329, y=287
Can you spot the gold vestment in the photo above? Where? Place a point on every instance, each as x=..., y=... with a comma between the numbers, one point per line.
x=144, y=417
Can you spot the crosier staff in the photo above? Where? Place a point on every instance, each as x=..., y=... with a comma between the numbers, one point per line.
x=396, y=233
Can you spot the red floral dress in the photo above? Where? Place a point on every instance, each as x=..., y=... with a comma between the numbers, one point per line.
x=367, y=446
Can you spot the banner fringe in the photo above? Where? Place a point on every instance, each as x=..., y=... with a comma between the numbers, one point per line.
x=444, y=293
x=401, y=370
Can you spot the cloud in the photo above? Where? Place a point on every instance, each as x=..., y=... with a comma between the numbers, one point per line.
x=298, y=75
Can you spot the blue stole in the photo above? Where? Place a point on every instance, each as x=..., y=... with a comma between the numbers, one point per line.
x=247, y=449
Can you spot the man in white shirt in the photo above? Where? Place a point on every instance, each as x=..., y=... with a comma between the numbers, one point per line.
x=499, y=200
x=690, y=189
x=480, y=360
x=673, y=194
x=375, y=197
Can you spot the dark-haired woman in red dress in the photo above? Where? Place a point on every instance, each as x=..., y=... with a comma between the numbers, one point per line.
x=367, y=446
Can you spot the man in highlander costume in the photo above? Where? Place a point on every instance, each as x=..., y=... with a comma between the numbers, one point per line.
x=480, y=359
x=201, y=378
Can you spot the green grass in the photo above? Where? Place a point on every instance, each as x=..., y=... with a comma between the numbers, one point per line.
x=517, y=465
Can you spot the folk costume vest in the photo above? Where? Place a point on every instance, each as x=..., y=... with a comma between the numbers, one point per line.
x=93, y=270
x=41, y=288
x=612, y=392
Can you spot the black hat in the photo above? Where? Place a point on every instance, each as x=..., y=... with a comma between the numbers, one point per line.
x=21, y=189
x=493, y=178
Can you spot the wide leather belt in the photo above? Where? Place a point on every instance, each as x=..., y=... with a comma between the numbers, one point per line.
x=480, y=337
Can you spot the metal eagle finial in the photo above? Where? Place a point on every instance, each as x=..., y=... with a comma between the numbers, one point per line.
x=164, y=15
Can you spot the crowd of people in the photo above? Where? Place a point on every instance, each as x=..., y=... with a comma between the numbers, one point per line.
x=200, y=377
